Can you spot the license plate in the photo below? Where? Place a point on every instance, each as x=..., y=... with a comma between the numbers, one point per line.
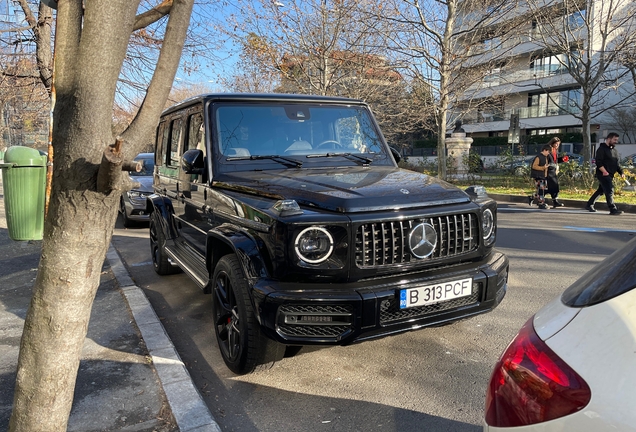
x=435, y=293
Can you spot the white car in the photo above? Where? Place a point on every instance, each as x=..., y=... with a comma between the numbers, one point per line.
x=572, y=367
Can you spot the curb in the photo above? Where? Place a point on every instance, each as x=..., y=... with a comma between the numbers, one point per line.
x=188, y=408
x=627, y=208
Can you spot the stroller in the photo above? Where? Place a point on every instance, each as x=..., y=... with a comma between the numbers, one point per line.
x=538, y=198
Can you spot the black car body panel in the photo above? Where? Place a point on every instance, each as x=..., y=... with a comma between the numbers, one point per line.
x=330, y=235
x=349, y=190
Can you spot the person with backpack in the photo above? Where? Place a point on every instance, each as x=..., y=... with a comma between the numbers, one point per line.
x=539, y=173
x=552, y=178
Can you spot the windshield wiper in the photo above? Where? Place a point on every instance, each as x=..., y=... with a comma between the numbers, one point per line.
x=350, y=156
x=280, y=159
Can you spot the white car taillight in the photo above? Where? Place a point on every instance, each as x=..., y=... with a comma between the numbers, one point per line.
x=531, y=384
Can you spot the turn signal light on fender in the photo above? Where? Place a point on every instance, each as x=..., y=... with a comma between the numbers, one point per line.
x=531, y=384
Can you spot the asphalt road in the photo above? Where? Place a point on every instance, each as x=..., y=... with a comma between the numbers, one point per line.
x=429, y=380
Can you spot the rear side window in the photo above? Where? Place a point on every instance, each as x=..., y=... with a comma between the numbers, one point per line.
x=163, y=135
x=175, y=140
x=610, y=278
x=196, y=137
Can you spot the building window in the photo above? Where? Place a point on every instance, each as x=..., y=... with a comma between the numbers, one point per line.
x=561, y=102
x=492, y=43
x=545, y=131
x=576, y=20
x=493, y=76
x=550, y=65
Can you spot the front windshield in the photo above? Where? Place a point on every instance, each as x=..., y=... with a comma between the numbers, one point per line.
x=297, y=131
x=147, y=167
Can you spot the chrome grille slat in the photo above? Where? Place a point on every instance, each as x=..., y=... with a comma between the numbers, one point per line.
x=457, y=234
x=470, y=232
x=448, y=239
x=380, y=244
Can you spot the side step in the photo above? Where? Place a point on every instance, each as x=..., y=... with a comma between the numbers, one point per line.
x=192, y=264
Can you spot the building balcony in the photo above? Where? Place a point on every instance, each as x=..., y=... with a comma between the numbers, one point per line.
x=519, y=82
x=536, y=117
x=524, y=113
x=506, y=78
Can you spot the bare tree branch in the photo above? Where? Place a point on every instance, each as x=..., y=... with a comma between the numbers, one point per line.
x=153, y=15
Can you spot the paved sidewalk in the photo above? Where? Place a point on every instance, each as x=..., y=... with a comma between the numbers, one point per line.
x=600, y=205
x=130, y=377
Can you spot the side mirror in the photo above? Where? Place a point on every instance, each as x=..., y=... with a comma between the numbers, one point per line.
x=396, y=155
x=192, y=161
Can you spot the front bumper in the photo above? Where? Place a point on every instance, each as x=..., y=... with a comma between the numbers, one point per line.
x=136, y=209
x=341, y=314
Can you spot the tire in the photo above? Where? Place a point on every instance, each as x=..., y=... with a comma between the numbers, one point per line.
x=243, y=345
x=122, y=208
x=158, y=248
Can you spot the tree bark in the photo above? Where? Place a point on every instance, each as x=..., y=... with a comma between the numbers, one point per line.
x=92, y=38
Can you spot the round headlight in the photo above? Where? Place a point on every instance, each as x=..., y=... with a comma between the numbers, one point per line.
x=314, y=245
x=488, y=223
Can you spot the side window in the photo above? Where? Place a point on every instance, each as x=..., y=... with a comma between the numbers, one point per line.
x=175, y=138
x=196, y=134
x=163, y=135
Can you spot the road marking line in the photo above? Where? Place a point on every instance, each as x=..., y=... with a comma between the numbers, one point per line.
x=597, y=229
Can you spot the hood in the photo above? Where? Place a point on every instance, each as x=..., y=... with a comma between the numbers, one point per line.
x=349, y=189
x=145, y=183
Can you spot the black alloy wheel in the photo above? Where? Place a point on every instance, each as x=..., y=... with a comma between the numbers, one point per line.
x=243, y=346
x=158, y=248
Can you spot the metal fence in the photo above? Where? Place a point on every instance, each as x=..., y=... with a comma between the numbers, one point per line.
x=517, y=149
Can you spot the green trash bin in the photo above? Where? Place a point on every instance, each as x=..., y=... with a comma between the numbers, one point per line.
x=24, y=183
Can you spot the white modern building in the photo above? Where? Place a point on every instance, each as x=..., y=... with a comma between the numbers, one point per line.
x=528, y=57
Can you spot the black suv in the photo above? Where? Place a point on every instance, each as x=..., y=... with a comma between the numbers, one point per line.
x=292, y=212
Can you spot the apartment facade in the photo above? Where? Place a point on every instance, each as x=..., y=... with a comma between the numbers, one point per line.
x=528, y=59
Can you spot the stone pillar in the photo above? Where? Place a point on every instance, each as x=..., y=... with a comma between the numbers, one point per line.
x=458, y=146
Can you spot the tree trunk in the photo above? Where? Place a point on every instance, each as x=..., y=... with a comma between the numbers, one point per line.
x=441, y=145
x=444, y=85
x=57, y=319
x=585, y=125
x=91, y=42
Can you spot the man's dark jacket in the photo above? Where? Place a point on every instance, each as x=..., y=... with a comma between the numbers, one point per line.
x=607, y=157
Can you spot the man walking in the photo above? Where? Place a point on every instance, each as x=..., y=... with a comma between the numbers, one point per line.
x=606, y=167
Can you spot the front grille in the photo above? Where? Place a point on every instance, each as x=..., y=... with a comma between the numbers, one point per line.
x=316, y=321
x=386, y=243
x=390, y=309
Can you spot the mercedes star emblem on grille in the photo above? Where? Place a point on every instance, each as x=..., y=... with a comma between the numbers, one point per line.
x=422, y=240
